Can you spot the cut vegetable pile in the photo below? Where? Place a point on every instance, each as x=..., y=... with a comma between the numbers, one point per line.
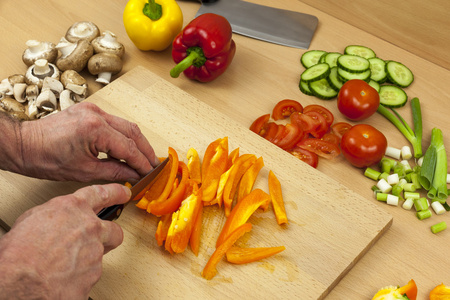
x=182, y=190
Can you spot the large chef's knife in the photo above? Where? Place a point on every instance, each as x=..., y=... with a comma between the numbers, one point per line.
x=113, y=212
x=279, y=26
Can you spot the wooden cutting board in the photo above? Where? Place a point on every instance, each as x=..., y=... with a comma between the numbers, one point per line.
x=330, y=227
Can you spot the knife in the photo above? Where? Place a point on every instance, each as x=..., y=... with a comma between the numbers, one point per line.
x=279, y=26
x=113, y=212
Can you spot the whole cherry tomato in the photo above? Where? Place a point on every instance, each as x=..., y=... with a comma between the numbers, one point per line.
x=357, y=100
x=363, y=145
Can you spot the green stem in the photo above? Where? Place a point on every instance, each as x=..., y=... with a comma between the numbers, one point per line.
x=195, y=56
x=152, y=10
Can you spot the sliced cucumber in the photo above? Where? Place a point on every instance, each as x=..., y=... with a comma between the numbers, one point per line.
x=375, y=85
x=353, y=63
x=392, y=96
x=334, y=80
x=304, y=88
x=311, y=57
x=378, y=69
x=359, y=50
x=345, y=75
x=331, y=58
x=315, y=72
x=399, y=74
x=322, y=89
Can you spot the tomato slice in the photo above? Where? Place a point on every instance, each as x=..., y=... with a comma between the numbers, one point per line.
x=293, y=135
x=322, y=126
x=281, y=133
x=259, y=124
x=328, y=115
x=305, y=122
x=270, y=131
x=285, y=108
x=332, y=138
x=308, y=157
x=320, y=147
x=340, y=128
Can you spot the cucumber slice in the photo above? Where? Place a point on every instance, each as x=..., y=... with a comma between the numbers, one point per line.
x=353, y=63
x=359, y=50
x=392, y=96
x=322, y=58
x=331, y=58
x=345, y=75
x=315, y=72
x=378, y=69
x=399, y=74
x=321, y=89
x=375, y=85
x=304, y=88
x=311, y=57
x=334, y=80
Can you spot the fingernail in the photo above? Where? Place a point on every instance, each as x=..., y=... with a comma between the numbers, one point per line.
x=127, y=190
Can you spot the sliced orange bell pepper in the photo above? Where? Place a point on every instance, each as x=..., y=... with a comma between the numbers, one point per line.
x=163, y=228
x=222, y=181
x=215, y=160
x=242, y=212
x=395, y=292
x=194, y=165
x=440, y=292
x=232, y=157
x=239, y=167
x=183, y=222
x=163, y=206
x=237, y=255
x=249, y=178
x=277, y=199
x=194, y=240
x=210, y=269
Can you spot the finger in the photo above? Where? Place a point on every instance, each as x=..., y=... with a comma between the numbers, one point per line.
x=101, y=196
x=112, y=235
x=115, y=170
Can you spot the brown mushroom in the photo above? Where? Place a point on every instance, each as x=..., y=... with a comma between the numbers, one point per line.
x=13, y=108
x=104, y=65
x=74, y=56
x=37, y=50
x=82, y=30
x=41, y=69
x=76, y=83
x=108, y=42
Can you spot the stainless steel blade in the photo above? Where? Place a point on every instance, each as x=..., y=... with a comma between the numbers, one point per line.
x=265, y=23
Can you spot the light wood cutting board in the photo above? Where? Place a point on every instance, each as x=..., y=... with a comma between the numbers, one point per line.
x=330, y=227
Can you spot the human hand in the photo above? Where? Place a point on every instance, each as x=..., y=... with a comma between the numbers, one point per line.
x=55, y=250
x=66, y=146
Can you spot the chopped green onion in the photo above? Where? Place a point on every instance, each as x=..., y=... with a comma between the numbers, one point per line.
x=375, y=188
x=446, y=206
x=397, y=190
x=393, y=179
x=421, y=204
x=384, y=186
x=392, y=200
x=409, y=187
x=448, y=178
x=393, y=152
x=402, y=182
x=415, y=180
x=411, y=195
x=406, y=152
x=372, y=174
x=400, y=170
x=438, y=227
x=423, y=214
x=408, y=204
x=382, y=197
x=420, y=161
x=383, y=175
x=438, y=207
x=407, y=166
x=386, y=164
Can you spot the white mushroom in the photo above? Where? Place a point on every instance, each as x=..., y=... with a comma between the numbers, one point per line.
x=104, y=65
x=65, y=99
x=82, y=30
x=20, y=92
x=108, y=42
x=32, y=109
x=41, y=69
x=74, y=82
x=13, y=108
x=31, y=93
x=6, y=88
x=46, y=101
x=53, y=85
x=74, y=56
x=16, y=78
x=37, y=50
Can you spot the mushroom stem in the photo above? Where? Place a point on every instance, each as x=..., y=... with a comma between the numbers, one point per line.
x=65, y=47
x=41, y=67
x=104, y=77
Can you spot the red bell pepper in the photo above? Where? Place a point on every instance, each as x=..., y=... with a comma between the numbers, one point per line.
x=204, y=49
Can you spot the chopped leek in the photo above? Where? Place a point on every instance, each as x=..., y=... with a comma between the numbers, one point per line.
x=438, y=227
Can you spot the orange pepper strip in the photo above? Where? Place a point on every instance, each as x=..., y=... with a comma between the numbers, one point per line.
x=194, y=240
x=239, y=167
x=242, y=212
x=440, y=292
x=216, y=166
x=410, y=289
x=172, y=203
x=163, y=228
x=277, y=199
x=249, y=178
x=222, y=181
x=210, y=269
x=237, y=255
x=209, y=153
x=194, y=165
x=183, y=221
x=232, y=157
x=159, y=197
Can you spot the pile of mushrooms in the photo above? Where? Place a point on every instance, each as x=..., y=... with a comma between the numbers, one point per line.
x=52, y=81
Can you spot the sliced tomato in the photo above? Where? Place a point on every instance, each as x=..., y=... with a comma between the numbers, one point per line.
x=322, y=126
x=285, y=108
x=320, y=147
x=293, y=135
x=305, y=122
x=281, y=133
x=259, y=124
x=328, y=115
x=332, y=138
x=340, y=128
x=270, y=131
x=308, y=157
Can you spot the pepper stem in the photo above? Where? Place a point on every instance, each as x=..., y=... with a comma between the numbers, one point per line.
x=152, y=10
x=195, y=56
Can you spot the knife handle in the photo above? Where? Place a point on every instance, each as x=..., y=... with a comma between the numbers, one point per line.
x=111, y=213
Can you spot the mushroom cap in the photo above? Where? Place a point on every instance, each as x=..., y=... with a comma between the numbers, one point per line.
x=82, y=30
x=72, y=76
x=32, y=78
x=38, y=50
x=79, y=57
x=104, y=62
x=107, y=42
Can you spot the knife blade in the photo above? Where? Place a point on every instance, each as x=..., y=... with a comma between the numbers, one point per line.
x=113, y=212
x=279, y=26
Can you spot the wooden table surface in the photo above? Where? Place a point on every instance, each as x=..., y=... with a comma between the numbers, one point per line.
x=263, y=73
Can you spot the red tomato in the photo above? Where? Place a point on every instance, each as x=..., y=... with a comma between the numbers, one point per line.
x=363, y=145
x=321, y=110
x=332, y=138
x=307, y=156
x=285, y=108
x=340, y=128
x=305, y=122
x=259, y=124
x=293, y=134
x=281, y=133
x=320, y=147
x=270, y=131
x=322, y=126
x=357, y=100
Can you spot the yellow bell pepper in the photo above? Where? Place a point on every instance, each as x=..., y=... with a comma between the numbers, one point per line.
x=152, y=25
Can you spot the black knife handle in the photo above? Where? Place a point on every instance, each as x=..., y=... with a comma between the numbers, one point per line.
x=111, y=213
